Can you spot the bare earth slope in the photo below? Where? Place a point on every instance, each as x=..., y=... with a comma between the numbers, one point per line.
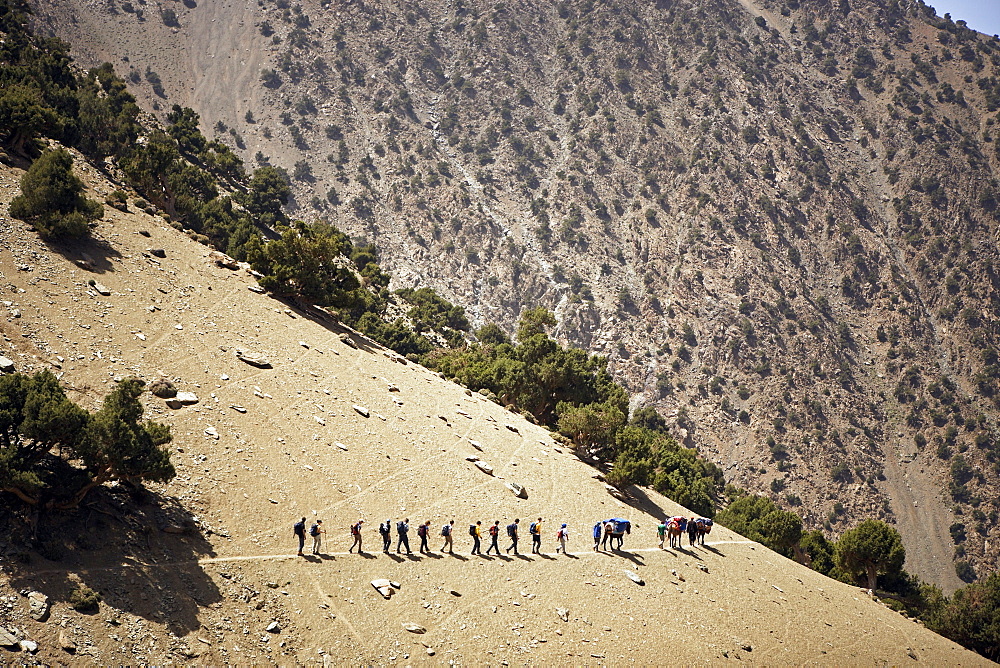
x=302, y=449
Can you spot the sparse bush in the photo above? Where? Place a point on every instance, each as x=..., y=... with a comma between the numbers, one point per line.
x=52, y=199
x=84, y=599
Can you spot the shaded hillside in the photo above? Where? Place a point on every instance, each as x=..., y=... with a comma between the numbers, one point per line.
x=777, y=219
x=199, y=569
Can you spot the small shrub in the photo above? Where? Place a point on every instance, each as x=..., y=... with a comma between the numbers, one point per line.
x=163, y=388
x=84, y=599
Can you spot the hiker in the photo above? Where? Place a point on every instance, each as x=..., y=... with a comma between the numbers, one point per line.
x=385, y=530
x=476, y=532
x=692, y=527
x=562, y=536
x=494, y=532
x=536, y=536
x=609, y=528
x=299, y=529
x=402, y=529
x=422, y=531
x=356, y=532
x=597, y=536
x=661, y=531
x=512, y=532
x=317, y=531
x=447, y=530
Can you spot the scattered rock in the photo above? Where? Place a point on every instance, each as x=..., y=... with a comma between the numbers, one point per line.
x=212, y=432
x=182, y=399
x=341, y=446
x=476, y=444
x=614, y=491
x=430, y=651
x=255, y=288
x=101, y=289
x=563, y=614
x=518, y=490
x=304, y=345
x=746, y=647
x=348, y=341
x=703, y=567
x=238, y=409
x=254, y=359
x=273, y=627
x=157, y=252
x=38, y=606
x=65, y=643
x=361, y=410
x=512, y=428
x=635, y=578
x=29, y=646
x=472, y=458
x=393, y=388
x=484, y=467
x=320, y=421
x=414, y=628
x=6, y=365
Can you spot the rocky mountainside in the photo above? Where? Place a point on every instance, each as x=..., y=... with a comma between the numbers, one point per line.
x=288, y=415
x=777, y=219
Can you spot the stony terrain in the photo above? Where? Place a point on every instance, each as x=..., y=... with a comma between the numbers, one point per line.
x=777, y=219
x=203, y=569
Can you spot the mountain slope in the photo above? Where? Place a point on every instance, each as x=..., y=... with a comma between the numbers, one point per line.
x=778, y=220
x=200, y=567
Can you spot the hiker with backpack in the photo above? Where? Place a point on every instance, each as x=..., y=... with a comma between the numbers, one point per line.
x=536, y=536
x=609, y=529
x=385, y=530
x=562, y=536
x=692, y=529
x=299, y=529
x=512, y=532
x=422, y=532
x=356, y=533
x=661, y=532
x=402, y=530
x=598, y=528
x=494, y=532
x=317, y=531
x=447, y=531
x=474, y=531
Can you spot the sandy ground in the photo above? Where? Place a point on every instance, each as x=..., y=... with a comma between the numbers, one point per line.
x=209, y=596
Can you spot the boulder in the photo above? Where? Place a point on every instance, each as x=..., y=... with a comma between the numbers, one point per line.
x=253, y=359
x=101, y=289
x=512, y=428
x=635, y=578
x=157, y=252
x=223, y=260
x=518, y=490
x=38, y=606
x=256, y=288
x=65, y=643
x=7, y=639
x=29, y=646
x=347, y=340
x=384, y=587
x=476, y=444
x=6, y=365
x=414, y=628
x=484, y=467
x=273, y=627
x=182, y=399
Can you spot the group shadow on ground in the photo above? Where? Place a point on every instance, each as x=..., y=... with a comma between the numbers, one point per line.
x=138, y=550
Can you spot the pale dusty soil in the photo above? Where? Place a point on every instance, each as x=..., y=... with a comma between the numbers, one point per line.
x=208, y=598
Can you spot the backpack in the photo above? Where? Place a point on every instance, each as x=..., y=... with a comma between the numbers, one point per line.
x=446, y=530
x=355, y=529
x=511, y=530
x=533, y=529
x=559, y=534
x=314, y=530
x=494, y=530
x=422, y=530
x=299, y=528
x=472, y=530
x=401, y=527
x=384, y=528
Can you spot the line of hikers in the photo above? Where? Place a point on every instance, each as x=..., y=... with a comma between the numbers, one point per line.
x=612, y=530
